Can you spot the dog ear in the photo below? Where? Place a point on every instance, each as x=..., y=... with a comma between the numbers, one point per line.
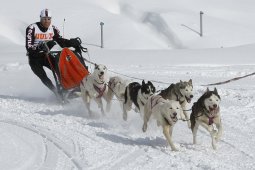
x=207, y=89
x=181, y=81
x=149, y=82
x=96, y=66
x=190, y=81
x=215, y=90
x=143, y=83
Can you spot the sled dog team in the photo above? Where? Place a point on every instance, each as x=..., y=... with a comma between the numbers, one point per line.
x=167, y=107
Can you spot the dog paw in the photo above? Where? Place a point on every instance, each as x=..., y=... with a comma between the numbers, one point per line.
x=144, y=127
x=214, y=146
x=189, y=124
x=217, y=138
x=125, y=117
x=137, y=110
x=214, y=133
x=175, y=149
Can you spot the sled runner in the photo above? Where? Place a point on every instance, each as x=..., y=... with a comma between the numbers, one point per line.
x=68, y=68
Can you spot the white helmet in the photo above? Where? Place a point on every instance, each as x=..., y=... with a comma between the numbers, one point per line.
x=45, y=13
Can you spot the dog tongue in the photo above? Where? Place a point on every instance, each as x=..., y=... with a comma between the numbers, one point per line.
x=188, y=100
x=211, y=109
x=101, y=76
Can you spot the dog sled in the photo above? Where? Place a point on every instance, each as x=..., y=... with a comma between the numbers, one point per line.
x=68, y=69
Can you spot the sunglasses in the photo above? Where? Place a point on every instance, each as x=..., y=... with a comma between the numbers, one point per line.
x=46, y=18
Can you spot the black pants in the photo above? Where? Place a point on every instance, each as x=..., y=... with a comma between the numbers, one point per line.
x=36, y=63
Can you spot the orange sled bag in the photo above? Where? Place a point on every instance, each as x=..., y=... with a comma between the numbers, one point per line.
x=71, y=70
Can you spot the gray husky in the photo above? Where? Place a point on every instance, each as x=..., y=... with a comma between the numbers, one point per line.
x=182, y=92
x=206, y=112
x=117, y=87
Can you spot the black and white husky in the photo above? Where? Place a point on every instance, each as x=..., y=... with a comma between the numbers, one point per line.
x=138, y=94
x=182, y=92
x=206, y=112
x=94, y=86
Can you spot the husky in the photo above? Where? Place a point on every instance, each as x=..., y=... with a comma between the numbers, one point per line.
x=206, y=112
x=117, y=87
x=181, y=92
x=166, y=112
x=94, y=86
x=137, y=94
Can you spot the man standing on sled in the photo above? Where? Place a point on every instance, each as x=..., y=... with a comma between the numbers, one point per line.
x=37, y=35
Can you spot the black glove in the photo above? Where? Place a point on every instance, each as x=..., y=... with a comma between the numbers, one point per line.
x=74, y=42
x=50, y=44
x=42, y=46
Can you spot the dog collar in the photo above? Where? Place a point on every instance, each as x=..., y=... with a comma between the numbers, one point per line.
x=99, y=83
x=155, y=100
x=178, y=97
x=113, y=83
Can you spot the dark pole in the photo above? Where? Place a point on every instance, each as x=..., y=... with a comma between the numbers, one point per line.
x=201, y=24
x=102, y=41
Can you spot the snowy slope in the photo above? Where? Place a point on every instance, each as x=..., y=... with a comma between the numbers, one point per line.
x=162, y=24
x=151, y=40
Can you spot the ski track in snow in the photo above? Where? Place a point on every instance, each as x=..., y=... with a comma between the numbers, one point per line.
x=72, y=140
x=49, y=140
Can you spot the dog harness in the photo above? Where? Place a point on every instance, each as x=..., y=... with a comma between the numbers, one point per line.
x=113, y=83
x=178, y=97
x=154, y=100
x=100, y=90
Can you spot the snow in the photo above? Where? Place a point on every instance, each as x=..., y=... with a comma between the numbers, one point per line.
x=151, y=40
